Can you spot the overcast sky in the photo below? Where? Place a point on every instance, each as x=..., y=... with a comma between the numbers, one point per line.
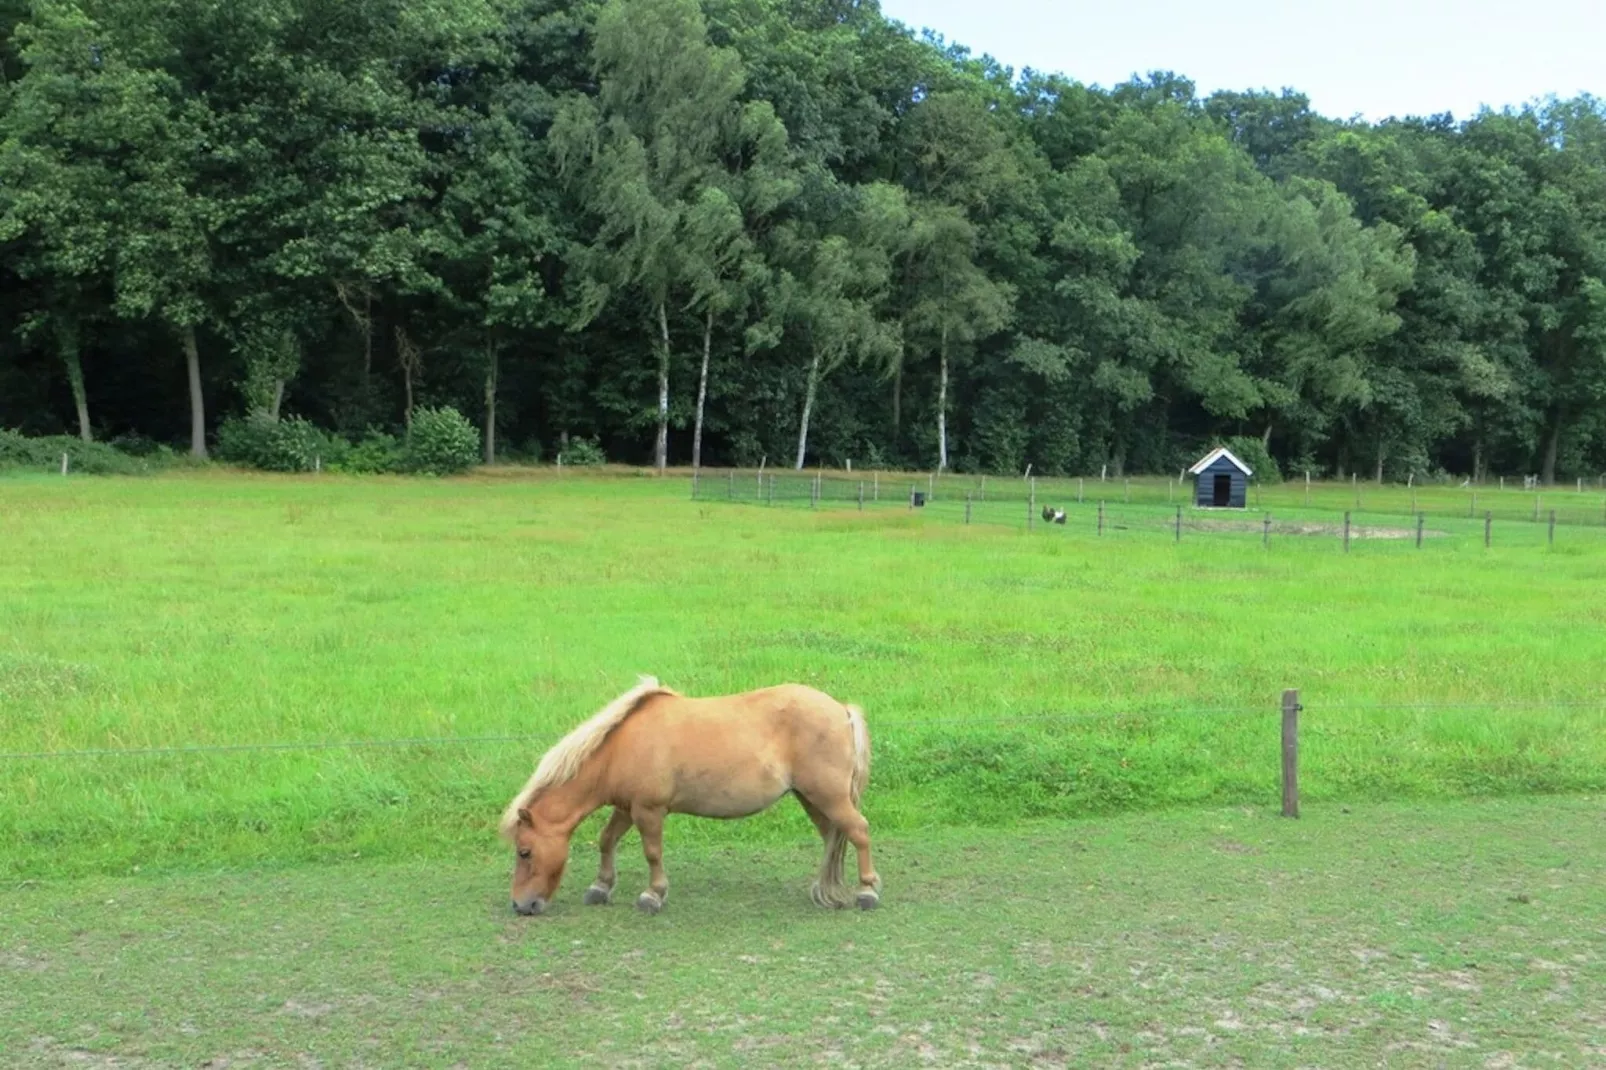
x=1372, y=58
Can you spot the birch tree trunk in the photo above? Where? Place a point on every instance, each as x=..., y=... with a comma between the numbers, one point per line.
x=192, y=359
x=661, y=449
x=702, y=393
x=808, y=409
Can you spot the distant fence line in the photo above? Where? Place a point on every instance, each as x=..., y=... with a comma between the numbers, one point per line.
x=981, y=498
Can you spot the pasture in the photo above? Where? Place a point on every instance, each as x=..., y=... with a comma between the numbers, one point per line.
x=321, y=692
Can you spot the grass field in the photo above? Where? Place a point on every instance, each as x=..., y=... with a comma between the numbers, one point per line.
x=1005, y=675
x=1403, y=935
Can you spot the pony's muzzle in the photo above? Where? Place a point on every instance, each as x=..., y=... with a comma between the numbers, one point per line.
x=530, y=907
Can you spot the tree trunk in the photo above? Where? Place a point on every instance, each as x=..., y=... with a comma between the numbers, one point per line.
x=702, y=393
x=897, y=402
x=490, y=403
x=1382, y=452
x=1265, y=437
x=278, y=399
x=1547, y=472
x=67, y=339
x=942, y=405
x=192, y=358
x=808, y=409
x=660, y=454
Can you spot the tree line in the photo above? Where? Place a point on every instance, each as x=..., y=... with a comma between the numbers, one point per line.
x=734, y=230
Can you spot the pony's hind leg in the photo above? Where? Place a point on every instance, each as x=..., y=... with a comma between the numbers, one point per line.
x=650, y=823
x=601, y=890
x=850, y=823
x=828, y=889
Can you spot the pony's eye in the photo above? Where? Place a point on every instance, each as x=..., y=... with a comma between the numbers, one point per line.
x=524, y=852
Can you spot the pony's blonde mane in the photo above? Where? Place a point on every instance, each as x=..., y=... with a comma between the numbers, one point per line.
x=560, y=764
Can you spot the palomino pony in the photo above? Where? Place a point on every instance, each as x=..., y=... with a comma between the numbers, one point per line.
x=651, y=752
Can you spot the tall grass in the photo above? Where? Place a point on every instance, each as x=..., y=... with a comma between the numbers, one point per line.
x=1004, y=674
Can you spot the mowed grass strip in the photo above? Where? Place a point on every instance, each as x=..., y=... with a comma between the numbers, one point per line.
x=1005, y=675
x=1438, y=934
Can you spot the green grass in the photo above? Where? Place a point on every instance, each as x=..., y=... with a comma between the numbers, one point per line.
x=1005, y=675
x=1445, y=935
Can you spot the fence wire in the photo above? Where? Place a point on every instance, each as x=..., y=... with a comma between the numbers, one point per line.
x=1044, y=717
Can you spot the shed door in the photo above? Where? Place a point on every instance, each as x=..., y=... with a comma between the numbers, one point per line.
x=1222, y=490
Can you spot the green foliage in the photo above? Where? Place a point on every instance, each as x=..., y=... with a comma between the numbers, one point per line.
x=757, y=219
x=584, y=453
x=441, y=442
x=1252, y=451
x=293, y=444
x=376, y=453
x=90, y=458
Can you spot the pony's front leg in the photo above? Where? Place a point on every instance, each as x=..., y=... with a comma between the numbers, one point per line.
x=651, y=825
x=601, y=890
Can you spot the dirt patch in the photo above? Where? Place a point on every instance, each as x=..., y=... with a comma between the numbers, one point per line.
x=1308, y=528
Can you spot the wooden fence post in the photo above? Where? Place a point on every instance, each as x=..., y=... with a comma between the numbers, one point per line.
x=1079, y=481
x=1101, y=516
x=1179, y=523
x=1031, y=506
x=1346, y=531
x=1488, y=523
x=1553, y=528
x=1265, y=532
x=730, y=484
x=861, y=495
x=967, y=508
x=1291, y=708
x=1419, y=521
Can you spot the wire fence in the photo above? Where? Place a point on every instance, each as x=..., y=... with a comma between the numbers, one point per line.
x=1349, y=515
x=876, y=723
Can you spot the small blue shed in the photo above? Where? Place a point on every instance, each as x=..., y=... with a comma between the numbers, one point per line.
x=1221, y=481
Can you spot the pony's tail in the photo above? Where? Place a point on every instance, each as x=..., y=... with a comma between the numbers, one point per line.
x=861, y=754
x=831, y=890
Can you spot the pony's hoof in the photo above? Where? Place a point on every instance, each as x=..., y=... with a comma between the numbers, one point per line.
x=869, y=900
x=648, y=903
x=598, y=896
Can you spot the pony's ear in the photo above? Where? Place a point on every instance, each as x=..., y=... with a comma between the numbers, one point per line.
x=525, y=820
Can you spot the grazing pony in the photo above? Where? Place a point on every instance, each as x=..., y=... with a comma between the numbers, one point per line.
x=651, y=752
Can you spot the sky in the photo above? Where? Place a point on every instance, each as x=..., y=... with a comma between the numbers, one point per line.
x=1367, y=58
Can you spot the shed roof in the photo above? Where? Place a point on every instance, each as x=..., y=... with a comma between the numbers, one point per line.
x=1217, y=454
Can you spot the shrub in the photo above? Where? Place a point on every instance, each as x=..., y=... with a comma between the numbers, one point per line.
x=293, y=444
x=584, y=453
x=92, y=458
x=1251, y=451
x=442, y=442
x=377, y=454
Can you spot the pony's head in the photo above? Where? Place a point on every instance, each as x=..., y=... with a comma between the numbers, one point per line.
x=540, y=853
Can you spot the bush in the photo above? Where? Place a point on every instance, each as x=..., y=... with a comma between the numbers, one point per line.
x=1253, y=452
x=583, y=453
x=293, y=444
x=377, y=454
x=442, y=442
x=91, y=458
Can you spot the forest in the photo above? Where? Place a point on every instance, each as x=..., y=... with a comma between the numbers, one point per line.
x=723, y=232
